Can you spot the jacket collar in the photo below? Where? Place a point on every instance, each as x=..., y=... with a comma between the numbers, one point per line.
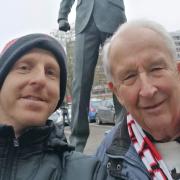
x=49, y=137
x=121, y=140
x=29, y=135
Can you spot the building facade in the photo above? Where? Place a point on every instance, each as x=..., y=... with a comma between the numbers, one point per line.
x=176, y=36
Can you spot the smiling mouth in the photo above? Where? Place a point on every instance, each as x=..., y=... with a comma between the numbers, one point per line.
x=151, y=107
x=33, y=98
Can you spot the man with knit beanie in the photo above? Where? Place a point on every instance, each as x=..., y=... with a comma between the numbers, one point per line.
x=32, y=87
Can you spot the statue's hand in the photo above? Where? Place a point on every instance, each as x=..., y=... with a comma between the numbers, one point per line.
x=64, y=25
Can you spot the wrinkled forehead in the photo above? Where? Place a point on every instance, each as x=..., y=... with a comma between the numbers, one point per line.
x=137, y=36
x=129, y=41
x=132, y=45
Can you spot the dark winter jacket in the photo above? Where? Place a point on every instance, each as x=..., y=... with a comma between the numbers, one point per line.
x=42, y=153
x=120, y=157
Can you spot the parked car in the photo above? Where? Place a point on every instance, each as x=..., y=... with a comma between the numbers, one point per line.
x=105, y=113
x=93, y=106
x=57, y=116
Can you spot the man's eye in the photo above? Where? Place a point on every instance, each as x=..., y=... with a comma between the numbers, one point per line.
x=156, y=69
x=52, y=73
x=129, y=79
x=23, y=68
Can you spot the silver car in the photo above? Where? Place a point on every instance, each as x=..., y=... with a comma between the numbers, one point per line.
x=105, y=112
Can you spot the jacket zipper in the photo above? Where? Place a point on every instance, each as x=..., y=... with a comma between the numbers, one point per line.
x=16, y=142
x=11, y=157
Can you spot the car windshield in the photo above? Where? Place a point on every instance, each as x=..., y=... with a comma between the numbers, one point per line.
x=96, y=103
x=108, y=103
x=54, y=116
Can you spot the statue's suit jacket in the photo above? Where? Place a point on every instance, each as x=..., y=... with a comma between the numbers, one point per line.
x=108, y=14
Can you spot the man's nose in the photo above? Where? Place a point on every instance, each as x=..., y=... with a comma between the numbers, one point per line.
x=39, y=77
x=147, y=87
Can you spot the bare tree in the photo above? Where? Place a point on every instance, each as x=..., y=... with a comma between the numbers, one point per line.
x=67, y=40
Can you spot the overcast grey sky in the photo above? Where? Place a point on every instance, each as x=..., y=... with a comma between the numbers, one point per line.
x=19, y=17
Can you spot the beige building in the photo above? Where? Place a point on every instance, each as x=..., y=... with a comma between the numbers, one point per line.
x=176, y=37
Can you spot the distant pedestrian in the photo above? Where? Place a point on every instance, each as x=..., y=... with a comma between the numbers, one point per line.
x=65, y=114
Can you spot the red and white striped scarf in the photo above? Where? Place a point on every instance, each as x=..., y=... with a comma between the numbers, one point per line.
x=147, y=151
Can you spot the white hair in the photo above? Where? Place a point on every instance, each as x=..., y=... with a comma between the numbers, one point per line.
x=159, y=29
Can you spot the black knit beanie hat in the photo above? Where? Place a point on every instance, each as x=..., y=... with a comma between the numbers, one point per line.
x=15, y=49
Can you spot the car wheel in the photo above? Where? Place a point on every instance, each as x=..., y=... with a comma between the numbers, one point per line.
x=89, y=119
x=98, y=121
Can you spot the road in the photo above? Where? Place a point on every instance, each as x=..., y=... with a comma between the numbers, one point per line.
x=95, y=137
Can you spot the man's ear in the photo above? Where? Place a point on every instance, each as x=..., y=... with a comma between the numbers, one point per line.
x=115, y=91
x=110, y=86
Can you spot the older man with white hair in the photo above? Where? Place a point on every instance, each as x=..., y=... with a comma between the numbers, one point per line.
x=140, y=64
